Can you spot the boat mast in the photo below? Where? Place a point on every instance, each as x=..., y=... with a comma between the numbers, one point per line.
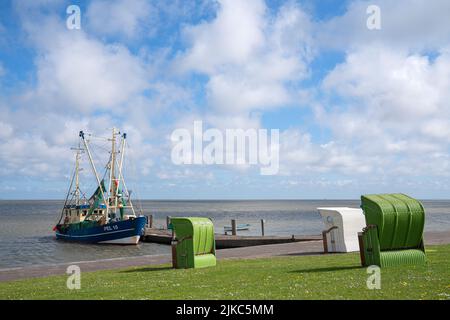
x=124, y=189
x=77, y=179
x=116, y=187
x=86, y=146
x=76, y=175
x=112, y=178
x=77, y=194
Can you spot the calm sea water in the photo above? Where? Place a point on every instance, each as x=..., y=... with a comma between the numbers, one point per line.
x=26, y=236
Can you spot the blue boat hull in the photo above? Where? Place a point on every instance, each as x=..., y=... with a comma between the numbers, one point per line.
x=112, y=232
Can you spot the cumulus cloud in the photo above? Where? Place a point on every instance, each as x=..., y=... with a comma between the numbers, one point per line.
x=418, y=25
x=394, y=107
x=128, y=18
x=299, y=155
x=231, y=37
x=379, y=115
x=77, y=70
x=6, y=130
x=82, y=83
x=81, y=72
x=249, y=55
x=399, y=90
x=387, y=105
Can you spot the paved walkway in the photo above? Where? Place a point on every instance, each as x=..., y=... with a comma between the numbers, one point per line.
x=287, y=249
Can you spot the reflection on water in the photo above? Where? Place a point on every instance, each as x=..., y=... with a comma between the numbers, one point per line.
x=26, y=236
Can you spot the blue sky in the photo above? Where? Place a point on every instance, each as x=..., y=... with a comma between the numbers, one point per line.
x=358, y=110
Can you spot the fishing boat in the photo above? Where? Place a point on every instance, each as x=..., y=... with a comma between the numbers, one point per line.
x=108, y=216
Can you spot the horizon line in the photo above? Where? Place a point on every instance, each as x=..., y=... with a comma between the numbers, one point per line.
x=230, y=199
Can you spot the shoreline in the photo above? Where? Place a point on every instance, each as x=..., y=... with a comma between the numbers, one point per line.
x=264, y=251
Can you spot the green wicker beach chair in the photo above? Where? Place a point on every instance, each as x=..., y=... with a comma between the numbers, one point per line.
x=194, y=245
x=394, y=232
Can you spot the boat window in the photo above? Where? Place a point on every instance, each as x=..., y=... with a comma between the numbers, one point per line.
x=95, y=211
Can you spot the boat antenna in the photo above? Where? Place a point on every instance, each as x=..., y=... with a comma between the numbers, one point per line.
x=112, y=169
x=78, y=150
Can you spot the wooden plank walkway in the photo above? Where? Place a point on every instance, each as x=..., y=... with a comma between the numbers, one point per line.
x=164, y=236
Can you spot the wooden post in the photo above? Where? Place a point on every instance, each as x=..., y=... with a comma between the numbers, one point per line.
x=150, y=221
x=167, y=221
x=325, y=242
x=262, y=227
x=233, y=227
x=361, y=249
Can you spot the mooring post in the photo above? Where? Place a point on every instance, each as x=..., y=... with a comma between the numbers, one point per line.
x=233, y=227
x=150, y=221
x=325, y=242
x=262, y=227
x=168, y=222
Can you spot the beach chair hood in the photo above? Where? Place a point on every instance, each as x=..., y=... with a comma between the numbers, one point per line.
x=195, y=243
x=394, y=230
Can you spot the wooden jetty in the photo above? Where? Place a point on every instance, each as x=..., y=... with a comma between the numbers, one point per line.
x=164, y=236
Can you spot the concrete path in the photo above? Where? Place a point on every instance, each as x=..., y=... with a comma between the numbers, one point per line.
x=288, y=249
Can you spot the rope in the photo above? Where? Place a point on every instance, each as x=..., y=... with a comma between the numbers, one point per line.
x=67, y=196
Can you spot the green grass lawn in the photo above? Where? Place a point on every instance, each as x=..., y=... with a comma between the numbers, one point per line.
x=336, y=276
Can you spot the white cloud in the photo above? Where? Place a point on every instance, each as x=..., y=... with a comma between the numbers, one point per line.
x=43, y=149
x=396, y=85
x=249, y=55
x=415, y=25
x=386, y=113
x=232, y=37
x=300, y=156
x=388, y=102
x=128, y=18
x=76, y=71
x=81, y=84
x=437, y=128
x=398, y=90
x=6, y=130
x=394, y=102
x=394, y=110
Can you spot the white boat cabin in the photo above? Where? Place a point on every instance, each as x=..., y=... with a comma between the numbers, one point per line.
x=75, y=214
